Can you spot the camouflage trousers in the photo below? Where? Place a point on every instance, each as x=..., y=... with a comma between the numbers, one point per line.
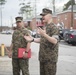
x=47, y=68
x=20, y=65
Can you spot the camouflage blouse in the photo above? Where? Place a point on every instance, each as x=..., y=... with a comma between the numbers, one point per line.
x=49, y=51
x=18, y=40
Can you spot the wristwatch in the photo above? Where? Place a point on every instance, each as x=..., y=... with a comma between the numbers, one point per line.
x=32, y=40
x=26, y=51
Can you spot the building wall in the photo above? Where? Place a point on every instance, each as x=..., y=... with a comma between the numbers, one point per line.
x=74, y=21
x=55, y=20
x=66, y=19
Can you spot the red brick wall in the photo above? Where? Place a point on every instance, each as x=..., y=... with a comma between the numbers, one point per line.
x=66, y=19
x=55, y=20
x=74, y=25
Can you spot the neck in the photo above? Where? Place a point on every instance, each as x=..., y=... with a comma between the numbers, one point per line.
x=50, y=21
x=19, y=27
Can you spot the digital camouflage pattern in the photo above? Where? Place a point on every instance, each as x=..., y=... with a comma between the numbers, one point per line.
x=20, y=64
x=48, y=54
x=19, y=41
x=47, y=68
x=49, y=51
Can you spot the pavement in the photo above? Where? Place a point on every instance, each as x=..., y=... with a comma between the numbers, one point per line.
x=63, y=67
x=66, y=64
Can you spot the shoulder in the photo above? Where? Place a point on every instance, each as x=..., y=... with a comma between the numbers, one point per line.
x=15, y=31
x=26, y=31
x=53, y=26
x=54, y=29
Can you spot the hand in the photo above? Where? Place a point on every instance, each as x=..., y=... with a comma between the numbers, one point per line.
x=25, y=55
x=41, y=31
x=10, y=54
x=28, y=38
x=6, y=49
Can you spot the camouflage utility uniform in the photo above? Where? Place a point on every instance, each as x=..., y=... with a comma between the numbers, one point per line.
x=48, y=54
x=19, y=42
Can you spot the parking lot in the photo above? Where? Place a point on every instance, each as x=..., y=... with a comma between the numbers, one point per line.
x=68, y=35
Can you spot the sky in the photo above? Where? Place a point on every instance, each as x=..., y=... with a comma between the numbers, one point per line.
x=11, y=8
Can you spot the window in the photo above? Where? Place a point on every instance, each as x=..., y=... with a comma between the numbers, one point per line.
x=58, y=18
x=65, y=17
x=74, y=15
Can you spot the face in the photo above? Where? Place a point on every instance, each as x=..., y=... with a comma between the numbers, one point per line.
x=46, y=18
x=19, y=24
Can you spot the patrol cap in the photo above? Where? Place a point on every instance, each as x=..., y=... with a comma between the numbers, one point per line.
x=46, y=11
x=18, y=19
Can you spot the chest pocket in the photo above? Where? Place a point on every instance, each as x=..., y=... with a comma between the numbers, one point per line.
x=48, y=31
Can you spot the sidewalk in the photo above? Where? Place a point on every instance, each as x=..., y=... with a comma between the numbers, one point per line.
x=66, y=63
x=6, y=66
x=63, y=67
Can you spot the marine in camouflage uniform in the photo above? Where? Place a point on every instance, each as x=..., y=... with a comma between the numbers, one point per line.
x=18, y=41
x=48, y=54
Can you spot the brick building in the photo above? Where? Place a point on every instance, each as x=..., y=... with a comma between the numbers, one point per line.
x=65, y=17
x=3, y=28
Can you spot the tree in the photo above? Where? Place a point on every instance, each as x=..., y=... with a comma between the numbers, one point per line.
x=25, y=9
x=68, y=4
x=2, y=2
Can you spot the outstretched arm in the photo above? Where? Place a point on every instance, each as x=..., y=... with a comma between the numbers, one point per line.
x=36, y=40
x=31, y=39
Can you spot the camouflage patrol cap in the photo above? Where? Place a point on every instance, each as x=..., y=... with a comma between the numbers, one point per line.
x=46, y=11
x=18, y=19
